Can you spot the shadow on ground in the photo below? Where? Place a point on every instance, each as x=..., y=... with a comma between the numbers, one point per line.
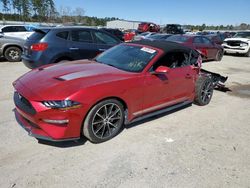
x=128, y=126
x=65, y=144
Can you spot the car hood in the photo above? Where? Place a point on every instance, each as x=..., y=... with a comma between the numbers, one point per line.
x=62, y=80
x=238, y=39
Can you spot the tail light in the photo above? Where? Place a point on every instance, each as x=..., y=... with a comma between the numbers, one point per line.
x=39, y=46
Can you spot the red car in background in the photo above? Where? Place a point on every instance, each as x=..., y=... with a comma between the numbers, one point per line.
x=129, y=35
x=148, y=27
x=209, y=49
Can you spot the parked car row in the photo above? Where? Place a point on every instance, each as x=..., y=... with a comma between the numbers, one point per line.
x=55, y=44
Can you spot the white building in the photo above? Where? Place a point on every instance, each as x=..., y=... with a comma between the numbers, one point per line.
x=123, y=24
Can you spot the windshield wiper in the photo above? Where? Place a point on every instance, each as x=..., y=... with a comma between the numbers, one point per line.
x=104, y=63
x=110, y=65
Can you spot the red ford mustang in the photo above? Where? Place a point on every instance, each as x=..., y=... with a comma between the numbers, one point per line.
x=209, y=49
x=95, y=98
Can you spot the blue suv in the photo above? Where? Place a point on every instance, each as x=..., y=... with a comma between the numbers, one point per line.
x=52, y=45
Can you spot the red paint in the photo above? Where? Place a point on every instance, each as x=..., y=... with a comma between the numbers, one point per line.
x=88, y=82
x=148, y=27
x=208, y=50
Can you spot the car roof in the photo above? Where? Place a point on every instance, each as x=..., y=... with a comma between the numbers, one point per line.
x=68, y=27
x=166, y=46
x=162, y=34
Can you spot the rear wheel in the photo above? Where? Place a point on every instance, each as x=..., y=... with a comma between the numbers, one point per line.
x=13, y=54
x=204, y=90
x=219, y=55
x=104, y=121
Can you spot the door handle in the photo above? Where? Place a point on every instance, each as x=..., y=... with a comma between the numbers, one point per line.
x=188, y=76
x=102, y=49
x=73, y=48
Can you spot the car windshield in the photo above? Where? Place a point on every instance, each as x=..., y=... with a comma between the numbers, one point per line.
x=178, y=38
x=144, y=34
x=159, y=36
x=156, y=36
x=242, y=35
x=127, y=57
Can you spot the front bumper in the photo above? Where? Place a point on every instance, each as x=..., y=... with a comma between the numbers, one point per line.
x=34, y=131
x=235, y=49
x=33, y=120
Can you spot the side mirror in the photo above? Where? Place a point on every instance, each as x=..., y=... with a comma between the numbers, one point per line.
x=161, y=70
x=1, y=35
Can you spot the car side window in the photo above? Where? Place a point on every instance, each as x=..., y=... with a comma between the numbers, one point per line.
x=103, y=38
x=8, y=29
x=173, y=60
x=14, y=29
x=81, y=36
x=63, y=35
x=206, y=40
x=20, y=29
x=197, y=40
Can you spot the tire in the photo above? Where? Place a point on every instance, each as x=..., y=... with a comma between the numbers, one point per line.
x=219, y=55
x=248, y=53
x=104, y=121
x=203, y=90
x=13, y=54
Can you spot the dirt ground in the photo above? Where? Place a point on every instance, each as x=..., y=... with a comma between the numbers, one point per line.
x=192, y=147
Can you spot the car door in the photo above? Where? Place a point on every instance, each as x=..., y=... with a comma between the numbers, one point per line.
x=175, y=86
x=81, y=44
x=199, y=45
x=104, y=40
x=212, y=51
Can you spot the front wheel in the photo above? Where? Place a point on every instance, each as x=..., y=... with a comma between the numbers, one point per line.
x=13, y=54
x=248, y=53
x=203, y=90
x=104, y=121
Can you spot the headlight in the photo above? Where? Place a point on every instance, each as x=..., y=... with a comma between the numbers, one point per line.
x=62, y=105
x=243, y=44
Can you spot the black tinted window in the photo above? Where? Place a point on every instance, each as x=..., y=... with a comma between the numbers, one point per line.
x=14, y=29
x=63, y=35
x=103, y=38
x=173, y=60
x=198, y=40
x=178, y=38
x=8, y=29
x=38, y=35
x=81, y=36
x=21, y=29
x=206, y=40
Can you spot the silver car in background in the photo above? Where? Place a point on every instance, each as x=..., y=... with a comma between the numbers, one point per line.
x=143, y=36
x=11, y=47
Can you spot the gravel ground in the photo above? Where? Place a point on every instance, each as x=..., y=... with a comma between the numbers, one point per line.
x=193, y=147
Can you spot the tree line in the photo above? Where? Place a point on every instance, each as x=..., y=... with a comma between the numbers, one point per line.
x=242, y=26
x=28, y=10
x=45, y=11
